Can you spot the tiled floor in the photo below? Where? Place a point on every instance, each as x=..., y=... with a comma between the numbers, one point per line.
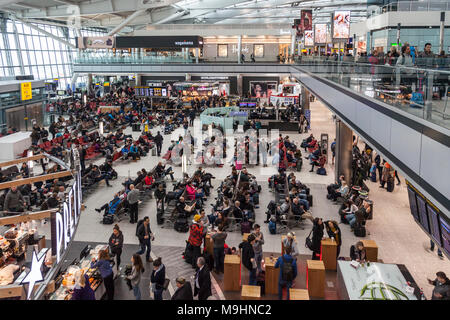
x=400, y=240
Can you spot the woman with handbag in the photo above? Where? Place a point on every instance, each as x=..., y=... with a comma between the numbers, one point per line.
x=157, y=279
x=104, y=265
x=135, y=276
x=116, y=244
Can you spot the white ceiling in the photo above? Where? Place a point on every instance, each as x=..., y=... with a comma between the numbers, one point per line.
x=133, y=15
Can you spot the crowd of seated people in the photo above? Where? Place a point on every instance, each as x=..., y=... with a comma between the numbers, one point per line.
x=317, y=156
x=238, y=196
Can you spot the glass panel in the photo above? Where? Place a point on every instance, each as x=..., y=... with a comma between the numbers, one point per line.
x=36, y=72
x=44, y=43
x=25, y=58
x=17, y=71
x=26, y=29
x=46, y=57
x=222, y=50
x=15, y=58
x=1, y=59
x=12, y=41
x=32, y=57
x=39, y=57
x=36, y=42
x=258, y=50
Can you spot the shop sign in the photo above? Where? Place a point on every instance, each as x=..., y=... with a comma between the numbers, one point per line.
x=184, y=43
x=25, y=91
x=35, y=274
x=64, y=224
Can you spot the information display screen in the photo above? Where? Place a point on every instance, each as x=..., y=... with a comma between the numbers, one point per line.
x=151, y=91
x=341, y=24
x=445, y=231
x=434, y=225
x=413, y=204
x=423, y=213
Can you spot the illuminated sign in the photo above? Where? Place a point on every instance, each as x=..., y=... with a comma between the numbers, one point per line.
x=35, y=274
x=341, y=25
x=25, y=91
x=320, y=33
x=65, y=223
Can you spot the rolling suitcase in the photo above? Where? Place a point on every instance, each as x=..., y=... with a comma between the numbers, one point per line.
x=299, y=164
x=390, y=185
x=154, y=152
x=360, y=231
x=159, y=217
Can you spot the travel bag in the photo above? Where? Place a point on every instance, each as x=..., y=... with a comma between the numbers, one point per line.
x=108, y=219
x=390, y=185
x=360, y=231
x=245, y=227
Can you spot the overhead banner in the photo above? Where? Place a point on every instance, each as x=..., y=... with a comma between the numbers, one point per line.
x=309, y=38
x=320, y=33
x=95, y=42
x=306, y=20
x=341, y=25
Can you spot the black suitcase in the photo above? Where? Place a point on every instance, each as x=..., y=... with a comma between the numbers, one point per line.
x=188, y=253
x=360, y=231
x=390, y=185
x=309, y=197
x=181, y=225
x=136, y=127
x=159, y=218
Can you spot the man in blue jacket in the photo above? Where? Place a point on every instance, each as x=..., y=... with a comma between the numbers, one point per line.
x=288, y=272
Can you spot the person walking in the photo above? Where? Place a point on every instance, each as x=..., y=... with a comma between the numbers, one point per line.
x=116, y=244
x=133, y=202
x=106, y=272
x=202, y=287
x=196, y=234
x=137, y=270
x=158, y=278
x=248, y=258
x=158, y=139
x=288, y=272
x=439, y=252
x=145, y=235
x=291, y=242
x=184, y=290
x=441, y=285
x=317, y=235
x=219, y=251
x=257, y=247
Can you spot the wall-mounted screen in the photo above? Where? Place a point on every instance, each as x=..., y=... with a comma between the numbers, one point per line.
x=309, y=38
x=320, y=33
x=413, y=204
x=341, y=25
x=434, y=225
x=421, y=205
x=445, y=231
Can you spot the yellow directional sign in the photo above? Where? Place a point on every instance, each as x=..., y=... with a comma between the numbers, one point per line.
x=25, y=91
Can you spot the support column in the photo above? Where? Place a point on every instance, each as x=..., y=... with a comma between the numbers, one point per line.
x=293, y=38
x=138, y=77
x=239, y=84
x=89, y=83
x=355, y=44
x=344, y=144
x=197, y=54
x=441, y=32
x=188, y=76
x=239, y=49
x=398, y=34
x=305, y=98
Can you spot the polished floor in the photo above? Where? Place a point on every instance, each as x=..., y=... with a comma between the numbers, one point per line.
x=399, y=238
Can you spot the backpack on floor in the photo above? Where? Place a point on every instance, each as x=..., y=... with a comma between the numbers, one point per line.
x=272, y=227
x=360, y=231
x=108, y=219
x=321, y=171
x=181, y=225
x=245, y=227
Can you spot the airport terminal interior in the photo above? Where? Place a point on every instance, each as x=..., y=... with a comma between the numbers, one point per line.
x=224, y=150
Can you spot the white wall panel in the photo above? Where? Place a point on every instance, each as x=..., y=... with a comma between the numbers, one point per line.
x=406, y=144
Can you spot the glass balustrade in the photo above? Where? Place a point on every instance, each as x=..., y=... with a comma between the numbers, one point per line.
x=423, y=92
x=95, y=58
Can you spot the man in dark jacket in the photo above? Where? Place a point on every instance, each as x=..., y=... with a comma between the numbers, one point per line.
x=14, y=201
x=441, y=285
x=184, y=290
x=248, y=258
x=158, y=141
x=317, y=235
x=285, y=278
x=202, y=286
x=144, y=234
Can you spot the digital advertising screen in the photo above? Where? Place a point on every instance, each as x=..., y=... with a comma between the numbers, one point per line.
x=309, y=38
x=445, y=231
x=421, y=205
x=434, y=224
x=320, y=33
x=341, y=24
x=413, y=204
x=305, y=22
x=242, y=104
